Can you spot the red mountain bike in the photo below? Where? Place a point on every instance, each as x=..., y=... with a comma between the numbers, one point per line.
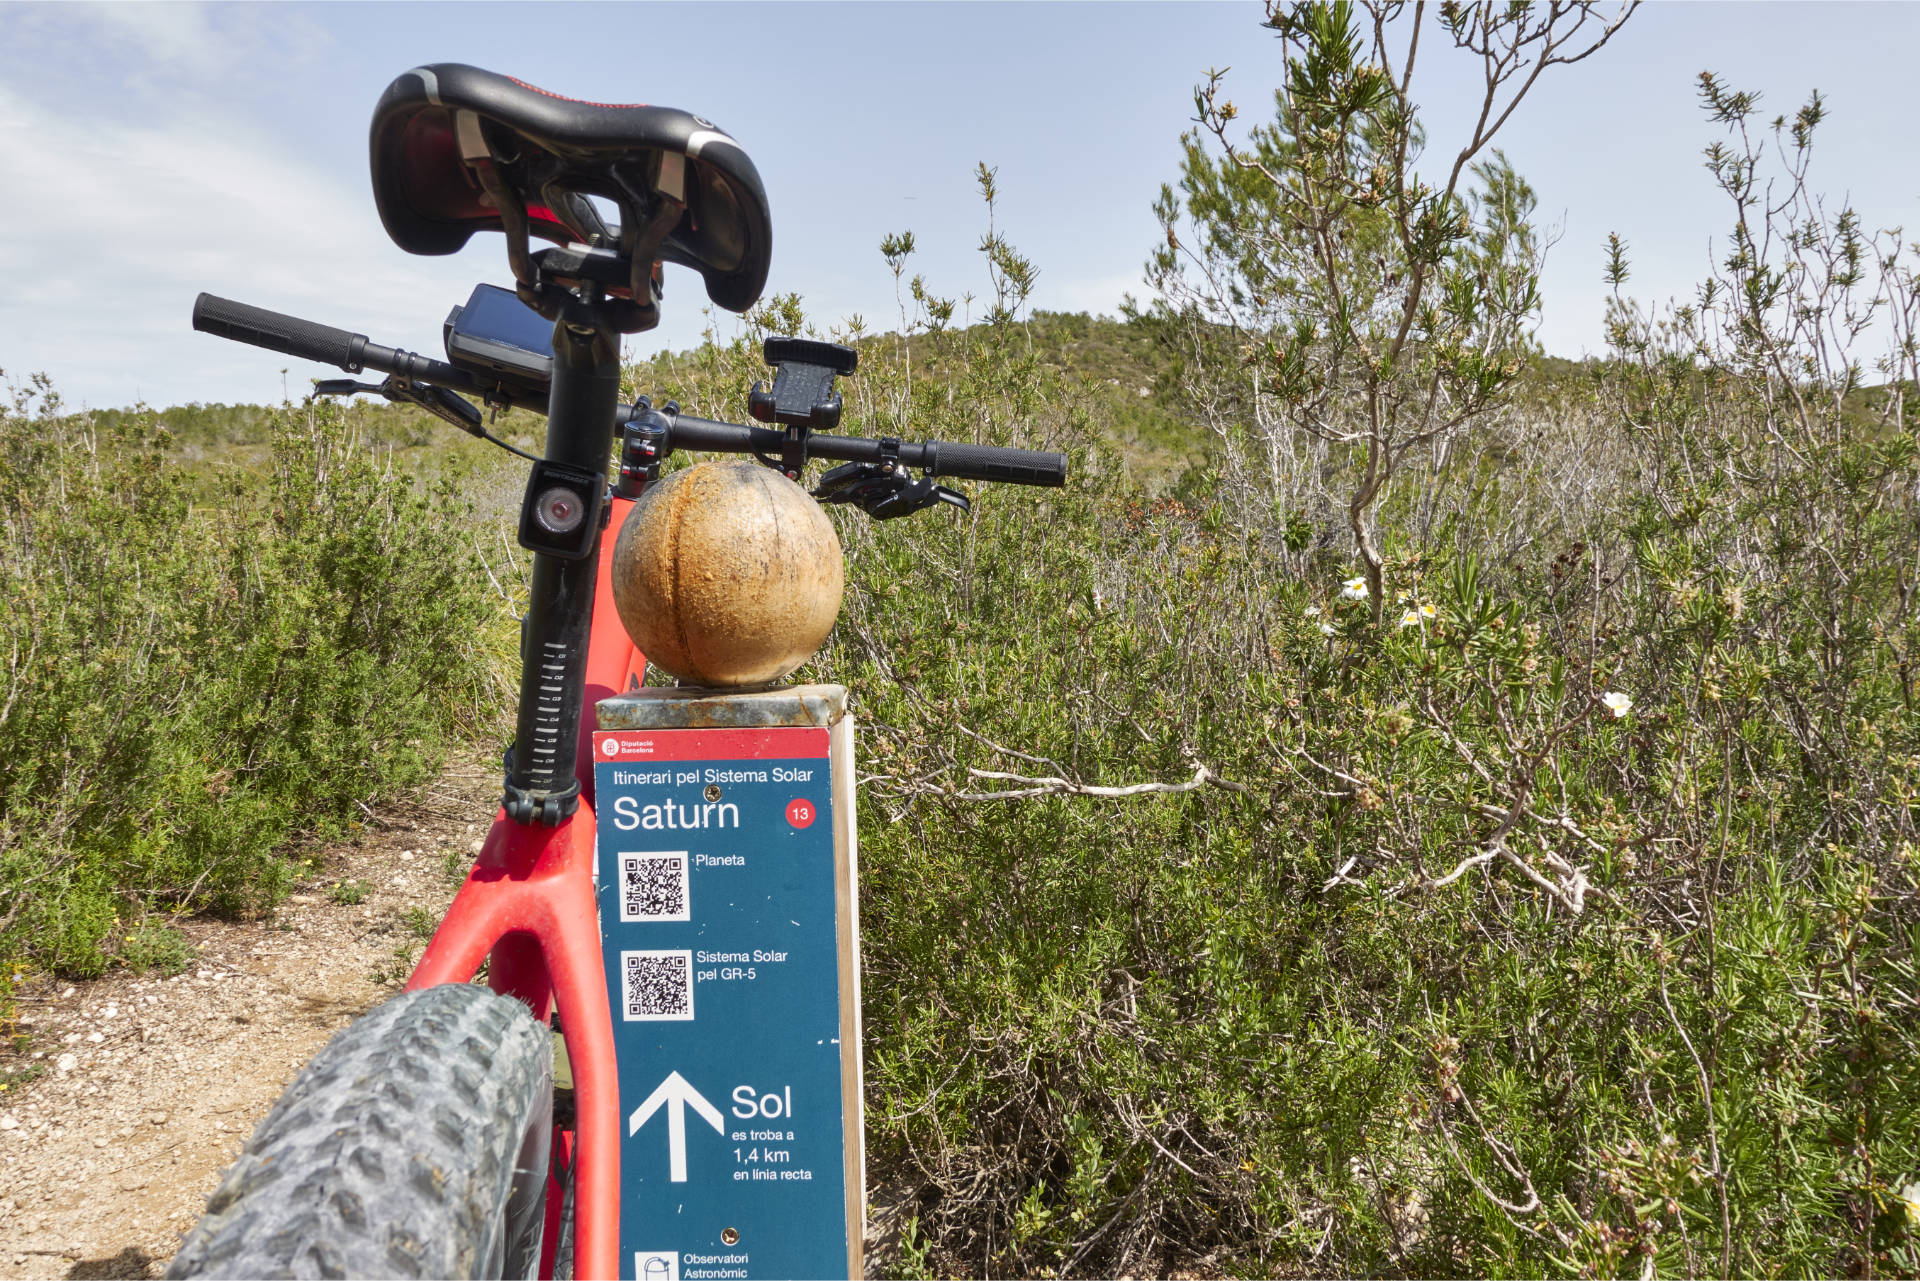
x=429, y=1138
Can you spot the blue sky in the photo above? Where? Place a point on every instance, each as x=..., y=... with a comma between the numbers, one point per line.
x=154, y=150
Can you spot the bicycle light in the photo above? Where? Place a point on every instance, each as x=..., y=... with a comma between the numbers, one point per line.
x=562, y=510
x=558, y=510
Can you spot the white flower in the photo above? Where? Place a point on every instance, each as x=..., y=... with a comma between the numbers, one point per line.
x=1909, y=1201
x=1326, y=629
x=1354, y=589
x=1617, y=703
x=1410, y=619
x=1311, y=611
x=1429, y=612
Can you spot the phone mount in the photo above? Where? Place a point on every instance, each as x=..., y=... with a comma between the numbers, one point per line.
x=803, y=374
x=802, y=398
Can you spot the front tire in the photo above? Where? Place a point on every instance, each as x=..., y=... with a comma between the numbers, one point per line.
x=415, y=1144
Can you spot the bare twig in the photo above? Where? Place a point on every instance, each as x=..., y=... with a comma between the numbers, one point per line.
x=1713, y=1128
x=1008, y=751
x=1512, y=1167
x=1050, y=785
x=1464, y=866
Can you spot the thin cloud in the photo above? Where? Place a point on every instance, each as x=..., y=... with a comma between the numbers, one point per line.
x=1097, y=295
x=181, y=48
x=149, y=214
x=181, y=36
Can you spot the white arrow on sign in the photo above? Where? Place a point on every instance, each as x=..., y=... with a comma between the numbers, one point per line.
x=675, y=1094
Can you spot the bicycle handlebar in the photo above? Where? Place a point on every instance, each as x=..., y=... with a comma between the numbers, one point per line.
x=937, y=457
x=288, y=335
x=292, y=336
x=995, y=462
x=309, y=340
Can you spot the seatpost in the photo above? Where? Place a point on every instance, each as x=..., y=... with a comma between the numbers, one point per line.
x=541, y=786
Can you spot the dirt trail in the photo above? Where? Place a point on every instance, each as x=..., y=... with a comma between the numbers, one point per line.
x=152, y=1083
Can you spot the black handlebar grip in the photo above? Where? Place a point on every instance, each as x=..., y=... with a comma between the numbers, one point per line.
x=717, y=437
x=991, y=462
x=288, y=335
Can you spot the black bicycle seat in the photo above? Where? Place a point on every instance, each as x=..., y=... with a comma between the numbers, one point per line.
x=449, y=140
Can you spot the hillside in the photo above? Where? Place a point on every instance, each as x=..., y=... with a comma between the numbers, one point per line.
x=1123, y=375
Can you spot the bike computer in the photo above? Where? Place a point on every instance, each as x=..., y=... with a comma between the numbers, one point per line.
x=499, y=338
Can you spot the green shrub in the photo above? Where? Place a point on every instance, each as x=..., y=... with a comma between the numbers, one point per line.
x=349, y=893
x=192, y=681
x=1424, y=961
x=151, y=946
x=1467, y=935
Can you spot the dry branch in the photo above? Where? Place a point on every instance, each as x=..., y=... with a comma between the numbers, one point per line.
x=1051, y=785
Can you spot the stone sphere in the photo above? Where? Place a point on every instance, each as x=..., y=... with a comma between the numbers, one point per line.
x=727, y=574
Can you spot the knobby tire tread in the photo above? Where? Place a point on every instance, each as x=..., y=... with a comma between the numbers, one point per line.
x=392, y=1153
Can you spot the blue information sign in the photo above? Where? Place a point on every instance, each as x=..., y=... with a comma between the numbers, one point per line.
x=725, y=921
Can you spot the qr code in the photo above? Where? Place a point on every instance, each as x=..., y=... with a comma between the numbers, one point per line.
x=657, y=985
x=653, y=887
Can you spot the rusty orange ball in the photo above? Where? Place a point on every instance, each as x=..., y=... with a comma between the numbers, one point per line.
x=727, y=574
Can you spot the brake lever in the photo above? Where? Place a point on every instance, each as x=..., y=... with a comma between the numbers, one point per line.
x=344, y=387
x=456, y=409
x=437, y=401
x=885, y=491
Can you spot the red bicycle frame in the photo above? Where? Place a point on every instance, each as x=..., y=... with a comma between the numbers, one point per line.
x=527, y=907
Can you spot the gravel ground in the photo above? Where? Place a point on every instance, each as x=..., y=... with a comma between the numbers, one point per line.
x=151, y=1084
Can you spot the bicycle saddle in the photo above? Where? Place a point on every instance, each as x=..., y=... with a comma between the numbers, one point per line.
x=457, y=150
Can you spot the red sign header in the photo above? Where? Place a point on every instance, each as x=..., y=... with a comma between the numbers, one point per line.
x=625, y=746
